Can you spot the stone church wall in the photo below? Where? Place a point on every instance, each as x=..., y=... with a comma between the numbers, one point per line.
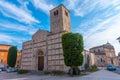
x=55, y=53
x=27, y=55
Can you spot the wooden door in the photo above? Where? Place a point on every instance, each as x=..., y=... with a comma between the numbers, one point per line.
x=40, y=62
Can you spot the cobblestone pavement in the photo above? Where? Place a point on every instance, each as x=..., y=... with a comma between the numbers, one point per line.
x=99, y=75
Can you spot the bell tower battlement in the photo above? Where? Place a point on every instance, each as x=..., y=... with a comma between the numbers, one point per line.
x=60, y=19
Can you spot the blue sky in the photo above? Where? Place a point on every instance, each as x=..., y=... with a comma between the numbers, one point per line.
x=97, y=20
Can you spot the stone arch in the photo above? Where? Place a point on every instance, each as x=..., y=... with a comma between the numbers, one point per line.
x=40, y=59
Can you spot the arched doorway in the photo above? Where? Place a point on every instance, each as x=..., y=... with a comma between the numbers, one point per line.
x=40, y=60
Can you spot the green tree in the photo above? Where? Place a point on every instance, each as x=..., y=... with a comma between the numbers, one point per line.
x=72, y=48
x=12, y=56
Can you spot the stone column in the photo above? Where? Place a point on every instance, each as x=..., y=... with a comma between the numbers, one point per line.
x=46, y=57
x=33, y=57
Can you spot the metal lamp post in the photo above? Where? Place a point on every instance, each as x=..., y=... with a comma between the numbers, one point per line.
x=118, y=39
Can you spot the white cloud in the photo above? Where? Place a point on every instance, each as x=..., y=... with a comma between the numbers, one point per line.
x=71, y=4
x=94, y=37
x=101, y=23
x=5, y=38
x=24, y=4
x=10, y=39
x=83, y=7
x=42, y=5
x=17, y=13
x=18, y=27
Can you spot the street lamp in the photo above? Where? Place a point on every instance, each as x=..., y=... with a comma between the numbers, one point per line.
x=118, y=39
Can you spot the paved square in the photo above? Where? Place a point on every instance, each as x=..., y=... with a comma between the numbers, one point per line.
x=99, y=75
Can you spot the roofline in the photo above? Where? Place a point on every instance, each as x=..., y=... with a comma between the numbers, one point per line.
x=5, y=45
x=101, y=46
x=96, y=47
x=38, y=31
x=59, y=6
x=27, y=41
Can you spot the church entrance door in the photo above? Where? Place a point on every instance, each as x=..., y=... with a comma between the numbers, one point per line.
x=40, y=60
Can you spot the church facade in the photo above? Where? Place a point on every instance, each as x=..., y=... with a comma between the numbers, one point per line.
x=105, y=55
x=44, y=51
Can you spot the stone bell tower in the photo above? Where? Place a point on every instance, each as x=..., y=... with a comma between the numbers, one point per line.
x=60, y=19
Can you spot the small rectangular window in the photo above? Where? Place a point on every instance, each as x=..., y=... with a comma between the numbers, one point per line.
x=1, y=60
x=2, y=54
x=66, y=13
x=56, y=13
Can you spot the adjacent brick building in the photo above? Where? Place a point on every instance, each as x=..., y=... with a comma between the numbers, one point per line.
x=104, y=55
x=4, y=48
x=3, y=54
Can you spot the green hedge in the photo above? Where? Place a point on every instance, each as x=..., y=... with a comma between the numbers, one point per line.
x=12, y=56
x=94, y=67
x=55, y=72
x=22, y=71
x=73, y=47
